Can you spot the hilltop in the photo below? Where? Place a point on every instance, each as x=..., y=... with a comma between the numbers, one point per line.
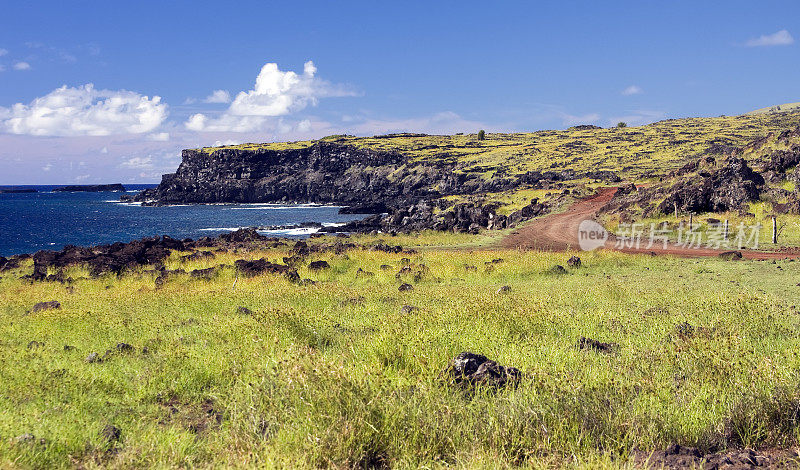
x=781, y=108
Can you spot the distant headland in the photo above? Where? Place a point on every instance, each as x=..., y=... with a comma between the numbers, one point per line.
x=91, y=188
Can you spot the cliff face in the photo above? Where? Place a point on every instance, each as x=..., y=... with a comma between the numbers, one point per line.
x=365, y=180
x=322, y=173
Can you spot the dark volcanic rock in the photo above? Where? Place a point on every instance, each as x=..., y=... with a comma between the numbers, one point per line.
x=728, y=188
x=588, y=343
x=255, y=267
x=52, y=304
x=101, y=259
x=92, y=188
x=206, y=273
x=367, y=208
x=243, y=235
x=366, y=181
x=244, y=311
x=680, y=457
x=198, y=255
x=111, y=433
x=731, y=255
x=557, y=269
x=319, y=265
x=470, y=369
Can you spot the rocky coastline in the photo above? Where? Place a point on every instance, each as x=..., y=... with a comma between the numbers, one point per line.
x=402, y=195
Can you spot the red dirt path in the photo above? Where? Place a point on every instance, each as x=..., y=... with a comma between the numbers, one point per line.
x=559, y=232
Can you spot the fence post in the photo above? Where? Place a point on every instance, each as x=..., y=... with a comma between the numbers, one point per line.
x=774, y=230
x=725, y=230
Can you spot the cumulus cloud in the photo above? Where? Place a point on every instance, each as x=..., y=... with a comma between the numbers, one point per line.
x=22, y=66
x=276, y=93
x=780, y=38
x=218, y=96
x=84, y=110
x=632, y=90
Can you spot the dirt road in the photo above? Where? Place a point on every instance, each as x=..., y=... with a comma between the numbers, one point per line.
x=559, y=232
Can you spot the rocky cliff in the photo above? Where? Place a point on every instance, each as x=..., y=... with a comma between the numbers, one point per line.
x=366, y=180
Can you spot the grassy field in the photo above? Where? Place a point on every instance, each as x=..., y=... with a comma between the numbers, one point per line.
x=339, y=374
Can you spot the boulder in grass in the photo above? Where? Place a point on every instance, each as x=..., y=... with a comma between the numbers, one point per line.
x=471, y=370
x=574, y=262
x=111, y=433
x=49, y=305
x=557, y=269
x=731, y=255
x=319, y=265
x=244, y=311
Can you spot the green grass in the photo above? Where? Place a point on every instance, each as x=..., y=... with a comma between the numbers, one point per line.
x=334, y=375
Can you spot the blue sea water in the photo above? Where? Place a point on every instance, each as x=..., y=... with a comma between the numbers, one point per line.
x=49, y=220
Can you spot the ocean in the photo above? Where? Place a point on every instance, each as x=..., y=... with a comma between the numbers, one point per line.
x=48, y=220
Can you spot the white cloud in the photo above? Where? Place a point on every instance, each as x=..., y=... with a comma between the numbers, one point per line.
x=222, y=143
x=3, y=52
x=159, y=137
x=22, y=66
x=304, y=125
x=84, y=111
x=218, y=96
x=103, y=150
x=780, y=38
x=632, y=90
x=139, y=163
x=276, y=93
x=572, y=120
x=48, y=167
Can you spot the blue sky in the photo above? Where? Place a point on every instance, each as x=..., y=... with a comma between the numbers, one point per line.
x=107, y=91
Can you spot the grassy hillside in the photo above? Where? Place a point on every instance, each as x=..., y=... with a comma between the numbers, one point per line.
x=636, y=153
x=340, y=374
x=778, y=198
x=781, y=108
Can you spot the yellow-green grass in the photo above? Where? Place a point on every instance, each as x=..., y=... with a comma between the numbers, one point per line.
x=636, y=153
x=515, y=199
x=756, y=219
x=336, y=375
x=782, y=108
